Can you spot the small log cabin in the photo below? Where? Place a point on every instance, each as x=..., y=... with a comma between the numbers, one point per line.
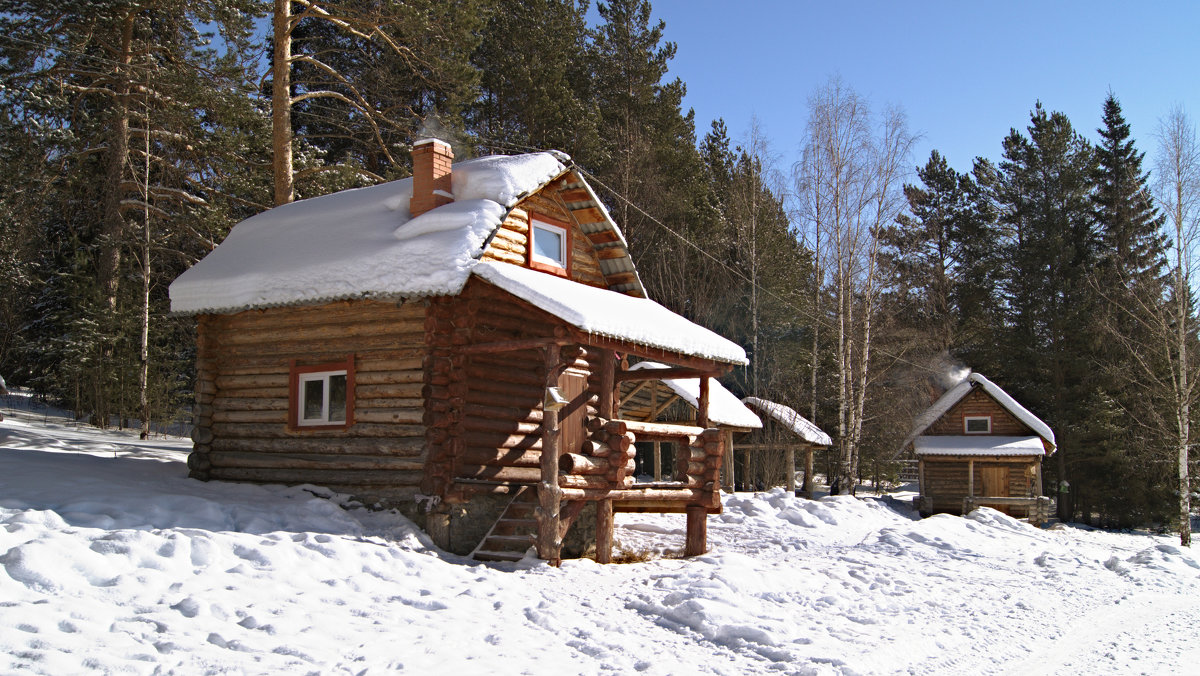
x=785, y=433
x=450, y=345
x=677, y=401
x=977, y=446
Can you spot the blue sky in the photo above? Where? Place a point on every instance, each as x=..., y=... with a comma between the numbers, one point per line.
x=965, y=72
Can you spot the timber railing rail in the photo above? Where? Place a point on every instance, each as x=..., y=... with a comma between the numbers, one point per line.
x=605, y=466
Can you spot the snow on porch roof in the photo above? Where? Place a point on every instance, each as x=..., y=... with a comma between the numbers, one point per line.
x=610, y=314
x=956, y=394
x=981, y=444
x=724, y=408
x=362, y=243
x=785, y=415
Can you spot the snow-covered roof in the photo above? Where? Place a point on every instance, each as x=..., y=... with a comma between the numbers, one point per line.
x=610, y=314
x=363, y=243
x=978, y=444
x=785, y=415
x=724, y=408
x=956, y=394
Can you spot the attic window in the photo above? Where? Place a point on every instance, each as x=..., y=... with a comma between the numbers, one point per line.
x=322, y=396
x=551, y=242
x=977, y=424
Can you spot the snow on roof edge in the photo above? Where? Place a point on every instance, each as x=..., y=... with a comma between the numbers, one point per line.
x=803, y=427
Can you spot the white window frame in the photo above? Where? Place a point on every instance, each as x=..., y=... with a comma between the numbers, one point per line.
x=967, y=424
x=323, y=377
x=538, y=224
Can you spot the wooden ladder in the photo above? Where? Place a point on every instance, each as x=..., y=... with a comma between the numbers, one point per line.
x=514, y=532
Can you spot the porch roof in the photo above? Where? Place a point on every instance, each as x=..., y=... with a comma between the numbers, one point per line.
x=981, y=444
x=610, y=314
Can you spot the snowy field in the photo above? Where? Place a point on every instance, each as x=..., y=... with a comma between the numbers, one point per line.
x=112, y=561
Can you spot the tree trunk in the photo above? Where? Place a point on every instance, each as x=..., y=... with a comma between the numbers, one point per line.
x=281, y=103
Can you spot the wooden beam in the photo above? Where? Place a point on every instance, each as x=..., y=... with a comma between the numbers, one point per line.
x=575, y=195
x=633, y=393
x=702, y=403
x=808, y=473
x=604, y=531
x=621, y=278
x=662, y=429
x=668, y=374
x=603, y=236
x=654, y=413
x=658, y=461
x=609, y=253
x=727, y=461
x=588, y=215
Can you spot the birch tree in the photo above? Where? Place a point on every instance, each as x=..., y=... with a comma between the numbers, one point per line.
x=1178, y=192
x=849, y=181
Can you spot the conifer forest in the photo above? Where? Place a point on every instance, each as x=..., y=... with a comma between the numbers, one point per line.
x=860, y=279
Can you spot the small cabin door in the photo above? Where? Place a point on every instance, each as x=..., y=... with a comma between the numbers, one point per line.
x=995, y=481
x=572, y=419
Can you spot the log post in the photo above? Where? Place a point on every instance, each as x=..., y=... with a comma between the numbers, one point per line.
x=728, y=462
x=658, y=461
x=608, y=390
x=697, y=531
x=970, y=478
x=808, y=472
x=702, y=408
x=746, y=486
x=604, y=531
x=549, y=493
x=790, y=464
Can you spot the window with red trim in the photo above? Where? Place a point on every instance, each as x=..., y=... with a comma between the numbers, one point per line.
x=549, y=245
x=321, y=396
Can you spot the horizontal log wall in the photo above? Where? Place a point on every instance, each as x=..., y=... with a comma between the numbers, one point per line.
x=979, y=403
x=242, y=397
x=946, y=480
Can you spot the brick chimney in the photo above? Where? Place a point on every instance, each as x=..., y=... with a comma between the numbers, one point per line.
x=431, y=175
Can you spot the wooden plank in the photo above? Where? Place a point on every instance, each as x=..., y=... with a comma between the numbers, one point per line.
x=611, y=252
x=575, y=195
x=588, y=215
x=668, y=374
x=603, y=236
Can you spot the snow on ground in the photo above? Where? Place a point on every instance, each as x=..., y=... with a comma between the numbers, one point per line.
x=112, y=561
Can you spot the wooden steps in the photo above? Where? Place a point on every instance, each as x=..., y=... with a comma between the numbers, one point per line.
x=514, y=532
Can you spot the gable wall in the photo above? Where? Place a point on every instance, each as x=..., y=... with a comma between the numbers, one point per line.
x=510, y=245
x=243, y=393
x=978, y=403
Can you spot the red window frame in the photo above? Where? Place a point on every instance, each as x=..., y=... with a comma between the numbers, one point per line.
x=564, y=271
x=295, y=370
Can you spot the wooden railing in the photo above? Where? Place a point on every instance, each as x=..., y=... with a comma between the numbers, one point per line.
x=606, y=462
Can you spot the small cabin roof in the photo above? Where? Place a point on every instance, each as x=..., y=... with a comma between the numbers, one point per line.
x=978, y=444
x=724, y=408
x=610, y=314
x=789, y=418
x=961, y=390
x=363, y=243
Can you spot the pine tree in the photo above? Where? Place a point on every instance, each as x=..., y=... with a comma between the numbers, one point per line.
x=1042, y=190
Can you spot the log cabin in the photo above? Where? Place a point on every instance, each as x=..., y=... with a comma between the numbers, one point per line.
x=784, y=434
x=977, y=446
x=677, y=401
x=450, y=345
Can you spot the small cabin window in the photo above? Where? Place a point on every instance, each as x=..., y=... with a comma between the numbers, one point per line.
x=550, y=245
x=977, y=424
x=322, y=398
x=322, y=395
